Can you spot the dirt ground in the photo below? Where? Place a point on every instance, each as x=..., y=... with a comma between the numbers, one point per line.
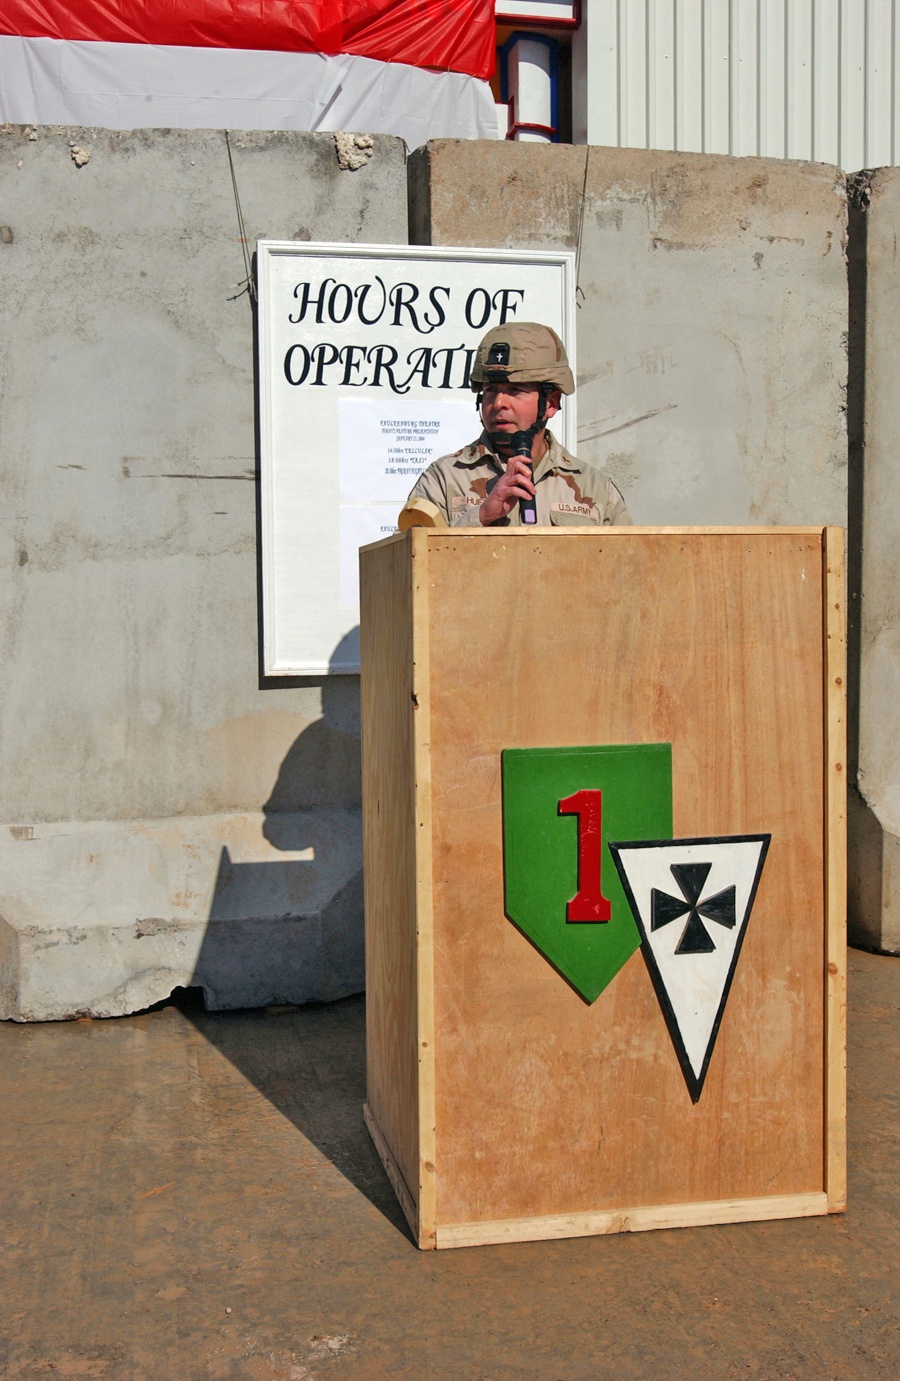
x=193, y=1196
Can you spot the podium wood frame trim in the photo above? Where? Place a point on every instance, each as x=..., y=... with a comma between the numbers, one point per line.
x=400, y=1112
x=835, y=759
x=644, y=1219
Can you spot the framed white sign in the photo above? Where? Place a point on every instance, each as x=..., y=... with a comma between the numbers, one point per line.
x=364, y=354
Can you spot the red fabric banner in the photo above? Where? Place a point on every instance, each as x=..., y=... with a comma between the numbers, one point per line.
x=454, y=35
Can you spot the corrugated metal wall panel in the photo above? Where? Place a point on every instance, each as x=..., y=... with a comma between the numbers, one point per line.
x=780, y=78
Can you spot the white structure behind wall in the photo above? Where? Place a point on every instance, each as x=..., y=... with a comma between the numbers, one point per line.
x=47, y=81
x=531, y=91
x=807, y=79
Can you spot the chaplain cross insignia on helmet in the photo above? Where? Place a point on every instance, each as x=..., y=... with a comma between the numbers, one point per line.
x=516, y=471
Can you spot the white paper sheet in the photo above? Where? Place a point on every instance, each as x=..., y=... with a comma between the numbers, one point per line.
x=359, y=524
x=385, y=445
x=383, y=448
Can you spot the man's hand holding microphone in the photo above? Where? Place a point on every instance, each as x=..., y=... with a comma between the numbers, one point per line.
x=515, y=486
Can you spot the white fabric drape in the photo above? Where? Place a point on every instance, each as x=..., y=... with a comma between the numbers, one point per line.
x=133, y=85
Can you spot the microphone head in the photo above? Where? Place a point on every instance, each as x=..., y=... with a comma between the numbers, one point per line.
x=512, y=443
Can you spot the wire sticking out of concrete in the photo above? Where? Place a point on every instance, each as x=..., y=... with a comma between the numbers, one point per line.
x=579, y=291
x=249, y=282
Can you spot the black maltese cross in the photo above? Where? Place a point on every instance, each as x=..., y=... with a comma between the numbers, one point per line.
x=691, y=878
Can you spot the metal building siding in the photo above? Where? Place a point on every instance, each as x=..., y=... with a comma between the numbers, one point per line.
x=812, y=79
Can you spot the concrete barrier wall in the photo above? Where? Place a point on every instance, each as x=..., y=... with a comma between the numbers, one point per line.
x=874, y=872
x=162, y=810
x=712, y=328
x=168, y=818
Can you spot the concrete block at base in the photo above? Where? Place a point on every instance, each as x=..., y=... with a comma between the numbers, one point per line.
x=104, y=919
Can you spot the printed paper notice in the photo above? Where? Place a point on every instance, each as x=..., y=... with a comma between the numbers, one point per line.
x=360, y=524
x=385, y=446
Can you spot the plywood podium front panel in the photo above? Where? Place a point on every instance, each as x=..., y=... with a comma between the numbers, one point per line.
x=509, y=1107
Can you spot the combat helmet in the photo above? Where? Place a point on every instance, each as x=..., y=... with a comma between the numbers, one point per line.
x=521, y=352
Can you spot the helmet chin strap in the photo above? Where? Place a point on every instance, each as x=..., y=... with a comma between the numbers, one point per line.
x=519, y=443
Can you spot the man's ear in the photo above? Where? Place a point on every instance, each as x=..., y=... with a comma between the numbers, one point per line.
x=552, y=407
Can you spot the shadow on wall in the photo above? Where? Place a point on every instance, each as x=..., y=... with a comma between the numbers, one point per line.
x=286, y=922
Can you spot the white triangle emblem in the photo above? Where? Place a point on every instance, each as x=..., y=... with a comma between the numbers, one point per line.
x=691, y=899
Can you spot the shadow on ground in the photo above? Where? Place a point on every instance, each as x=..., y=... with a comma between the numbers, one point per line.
x=310, y=1063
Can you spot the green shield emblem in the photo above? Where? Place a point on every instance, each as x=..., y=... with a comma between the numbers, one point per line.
x=560, y=806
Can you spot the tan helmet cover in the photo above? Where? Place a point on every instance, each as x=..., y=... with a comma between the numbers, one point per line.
x=534, y=355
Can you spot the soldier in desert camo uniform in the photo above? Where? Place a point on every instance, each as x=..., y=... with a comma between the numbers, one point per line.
x=520, y=370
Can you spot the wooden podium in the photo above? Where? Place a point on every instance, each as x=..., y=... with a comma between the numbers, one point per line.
x=504, y=1105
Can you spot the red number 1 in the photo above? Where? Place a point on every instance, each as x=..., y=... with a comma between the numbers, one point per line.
x=589, y=903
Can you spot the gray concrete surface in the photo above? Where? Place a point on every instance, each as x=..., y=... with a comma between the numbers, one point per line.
x=139, y=752
x=252, y=921
x=712, y=326
x=193, y=1196
x=167, y=818
x=875, y=336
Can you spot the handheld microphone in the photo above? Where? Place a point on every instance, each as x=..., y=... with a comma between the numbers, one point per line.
x=521, y=446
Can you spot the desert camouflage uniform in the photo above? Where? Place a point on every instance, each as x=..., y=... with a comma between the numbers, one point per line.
x=568, y=492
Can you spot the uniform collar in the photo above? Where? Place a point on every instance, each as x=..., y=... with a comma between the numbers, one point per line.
x=555, y=457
